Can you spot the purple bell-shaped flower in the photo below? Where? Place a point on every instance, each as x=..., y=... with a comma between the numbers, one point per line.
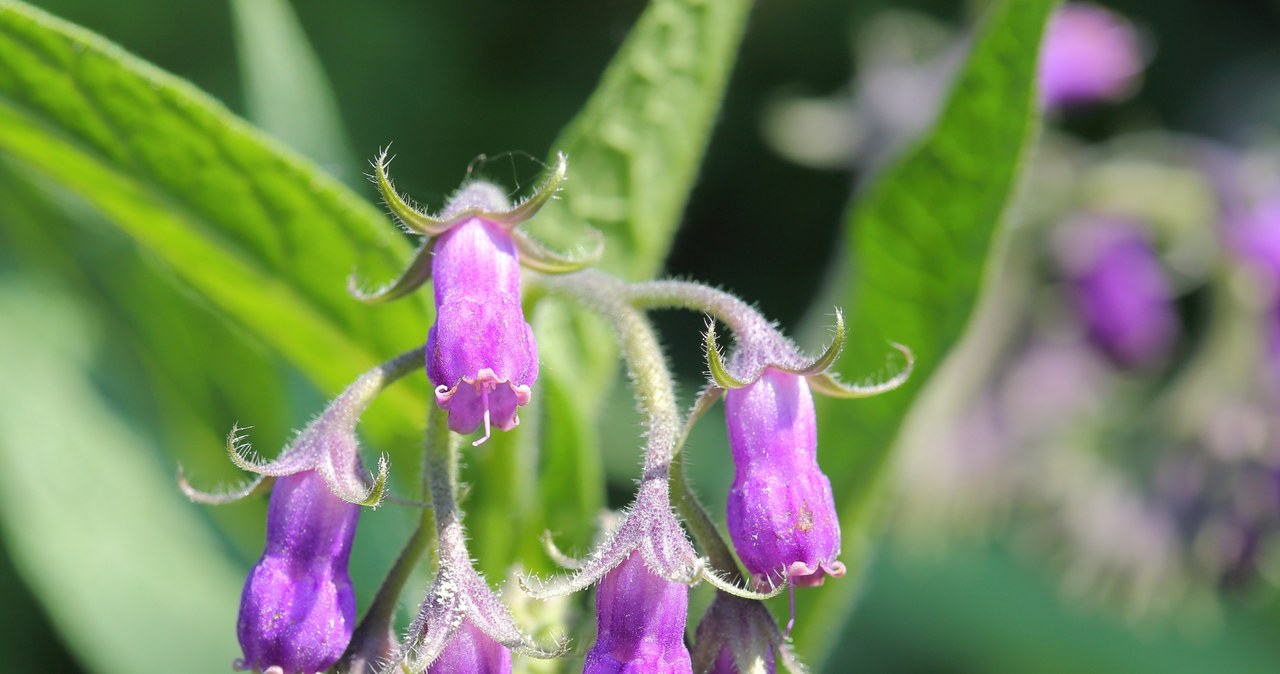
x=481, y=354
x=781, y=513
x=298, y=609
x=640, y=618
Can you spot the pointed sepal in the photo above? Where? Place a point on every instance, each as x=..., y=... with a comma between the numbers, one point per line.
x=419, y=222
x=650, y=527
x=829, y=356
x=327, y=445
x=827, y=384
x=529, y=207
x=414, y=220
x=720, y=582
x=418, y=273
x=715, y=363
x=258, y=485
x=537, y=256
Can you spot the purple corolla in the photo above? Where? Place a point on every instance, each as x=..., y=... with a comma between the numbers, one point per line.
x=298, y=609
x=640, y=618
x=481, y=354
x=781, y=513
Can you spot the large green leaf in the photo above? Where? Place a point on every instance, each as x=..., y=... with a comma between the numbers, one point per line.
x=76, y=486
x=254, y=230
x=918, y=245
x=286, y=91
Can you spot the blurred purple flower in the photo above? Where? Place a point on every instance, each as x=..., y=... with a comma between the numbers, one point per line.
x=481, y=354
x=298, y=608
x=1254, y=234
x=471, y=651
x=640, y=618
x=781, y=513
x=1119, y=289
x=1089, y=54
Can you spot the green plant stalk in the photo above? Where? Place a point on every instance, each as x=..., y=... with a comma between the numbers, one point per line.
x=700, y=524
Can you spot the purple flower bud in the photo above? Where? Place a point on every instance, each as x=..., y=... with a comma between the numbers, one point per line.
x=737, y=635
x=1119, y=289
x=471, y=651
x=640, y=617
x=1089, y=55
x=481, y=354
x=297, y=610
x=781, y=515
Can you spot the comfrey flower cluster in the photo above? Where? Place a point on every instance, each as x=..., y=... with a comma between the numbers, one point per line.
x=298, y=609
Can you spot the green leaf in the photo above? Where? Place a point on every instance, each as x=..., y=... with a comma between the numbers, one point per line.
x=251, y=228
x=74, y=484
x=286, y=91
x=635, y=148
x=918, y=246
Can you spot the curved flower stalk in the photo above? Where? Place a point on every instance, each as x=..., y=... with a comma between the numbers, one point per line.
x=481, y=353
x=649, y=526
x=459, y=603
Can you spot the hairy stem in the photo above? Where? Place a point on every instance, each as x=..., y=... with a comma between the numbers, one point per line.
x=441, y=477
x=654, y=388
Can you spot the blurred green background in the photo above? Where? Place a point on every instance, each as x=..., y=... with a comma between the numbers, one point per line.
x=490, y=84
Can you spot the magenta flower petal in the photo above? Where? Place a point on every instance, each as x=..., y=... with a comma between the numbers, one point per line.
x=781, y=512
x=640, y=618
x=298, y=609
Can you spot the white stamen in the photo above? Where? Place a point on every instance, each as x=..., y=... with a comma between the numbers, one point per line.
x=484, y=397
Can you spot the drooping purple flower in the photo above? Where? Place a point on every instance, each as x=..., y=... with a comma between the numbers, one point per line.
x=781, y=514
x=1119, y=289
x=471, y=651
x=640, y=618
x=481, y=354
x=1089, y=55
x=298, y=609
